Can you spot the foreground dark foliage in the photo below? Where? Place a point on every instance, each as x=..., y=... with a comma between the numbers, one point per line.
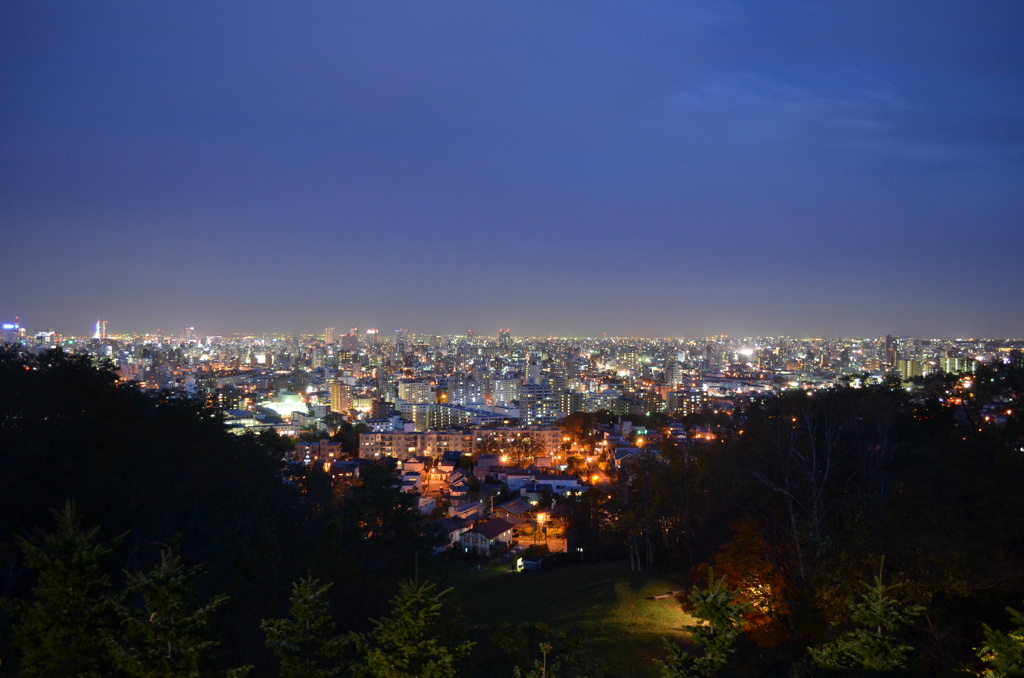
x=794, y=502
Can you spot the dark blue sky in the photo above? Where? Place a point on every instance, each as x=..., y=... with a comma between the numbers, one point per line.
x=656, y=168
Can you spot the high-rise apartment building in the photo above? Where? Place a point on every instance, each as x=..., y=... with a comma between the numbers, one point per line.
x=537, y=405
x=674, y=372
x=415, y=391
x=691, y=401
x=463, y=390
x=341, y=397
x=504, y=391
x=911, y=368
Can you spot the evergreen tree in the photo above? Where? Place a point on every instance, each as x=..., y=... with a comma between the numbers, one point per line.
x=504, y=647
x=540, y=668
x=410, y=643
x=872, y=646
x=1004, y=651
x=60, y=632
x=304, y=642
x=167, y=637
x=721, y=626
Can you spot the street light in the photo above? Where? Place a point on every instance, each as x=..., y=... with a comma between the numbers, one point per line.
x=541, y=519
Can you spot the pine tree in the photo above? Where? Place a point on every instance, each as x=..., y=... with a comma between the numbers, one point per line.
x=304, y=643
x=872, y=646
x=540, y=668
x=410, y=643
x=167, y=637
x=1004, y=651
x=722, y=625
x=60, y=633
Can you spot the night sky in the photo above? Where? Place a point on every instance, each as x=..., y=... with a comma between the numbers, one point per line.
x=567, y=168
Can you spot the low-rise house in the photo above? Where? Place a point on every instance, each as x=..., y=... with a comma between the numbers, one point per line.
x=624, y=455
x=345, y=470
x=484, y=464
x=418, y=464
x=459, y=491
x=426, y=505
x=438, y=474
x=450, y=530
x=470, y=511
x=514, y=511
x=489, y=537
x=412, y=481
x=535, y=494
x=561, y=484
x=516, y=478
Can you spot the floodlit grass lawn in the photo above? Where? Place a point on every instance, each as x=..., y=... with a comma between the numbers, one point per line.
x=609, y=603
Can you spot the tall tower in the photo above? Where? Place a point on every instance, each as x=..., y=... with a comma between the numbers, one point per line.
x=101, y=330
x=891, y=353
x=329, y=335
x=505, y=339
x=401, y=343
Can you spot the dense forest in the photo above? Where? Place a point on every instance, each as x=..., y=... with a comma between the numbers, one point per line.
x=854, y=531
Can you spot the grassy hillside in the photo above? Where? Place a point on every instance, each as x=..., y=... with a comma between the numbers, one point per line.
x=609, y=603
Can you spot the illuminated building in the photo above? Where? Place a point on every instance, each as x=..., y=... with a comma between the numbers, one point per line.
x=350, y=341
x=537, y=405
x=401, y=343
x=675, y=374
x=11, y=333
x=373, y=338
x=341, y=397
x=548, y=438
x=504, y=391
x=570, y=402
x=420, y=414
x=909, y=369
x=463, y=390
x=890, y=355
x=956, y=365
x=686, y=402
x=415, y=391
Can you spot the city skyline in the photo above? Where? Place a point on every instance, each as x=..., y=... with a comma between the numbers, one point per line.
x=389, y=336
x=98, y=330
x=655, y=169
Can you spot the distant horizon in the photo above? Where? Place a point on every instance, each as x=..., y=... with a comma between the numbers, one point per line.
x=387, y=333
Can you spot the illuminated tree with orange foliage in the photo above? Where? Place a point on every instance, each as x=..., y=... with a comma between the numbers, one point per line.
x=748, y=563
